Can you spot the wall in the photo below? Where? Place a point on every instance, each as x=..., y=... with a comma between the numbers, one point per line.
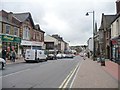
x=90, y=44
x=115, y=28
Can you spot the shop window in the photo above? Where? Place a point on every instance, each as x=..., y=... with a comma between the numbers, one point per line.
x=7, y=29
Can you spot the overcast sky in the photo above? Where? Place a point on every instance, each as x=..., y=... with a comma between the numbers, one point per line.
x=64, y=17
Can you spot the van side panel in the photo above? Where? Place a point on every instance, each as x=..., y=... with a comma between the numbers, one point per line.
x=30, y=54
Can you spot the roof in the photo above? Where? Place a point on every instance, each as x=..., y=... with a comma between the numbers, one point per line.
x=5, y=18
x=57, y=37
x=107, y=20
x=21, y=16
x=24, y=16
x=37, y=27
x=117, y=16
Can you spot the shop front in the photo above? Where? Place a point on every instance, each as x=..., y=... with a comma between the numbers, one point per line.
x=116, y=49
x=30, y=45
x=10, y=43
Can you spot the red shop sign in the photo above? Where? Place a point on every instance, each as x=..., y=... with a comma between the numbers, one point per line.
x=114, y=42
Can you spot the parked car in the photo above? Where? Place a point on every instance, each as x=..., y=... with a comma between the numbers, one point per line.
x=2, y=63
x=51, y=57
x=59, y=56
x=69, y=56
x=64, y=55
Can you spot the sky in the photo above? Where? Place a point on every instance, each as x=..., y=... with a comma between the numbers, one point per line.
x=66, y=18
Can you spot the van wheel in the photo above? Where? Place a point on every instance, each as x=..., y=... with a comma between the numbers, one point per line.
x=27, y=61
x=38, y=60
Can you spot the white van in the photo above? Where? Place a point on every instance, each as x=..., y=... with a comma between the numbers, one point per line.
x=35, y=55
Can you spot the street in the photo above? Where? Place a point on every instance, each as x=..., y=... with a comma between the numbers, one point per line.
x=50, y=74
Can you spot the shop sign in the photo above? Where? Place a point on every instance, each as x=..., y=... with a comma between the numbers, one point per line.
x=17, y=39
x=114, y=42
x=6, y=38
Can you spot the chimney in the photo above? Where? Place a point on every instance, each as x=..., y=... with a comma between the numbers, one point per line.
x=118, y=6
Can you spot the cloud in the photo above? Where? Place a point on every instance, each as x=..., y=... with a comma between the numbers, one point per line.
x=64, y=17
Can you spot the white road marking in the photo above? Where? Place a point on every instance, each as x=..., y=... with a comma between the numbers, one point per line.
x=75, y=75
x=68, y=78
x=15, y=73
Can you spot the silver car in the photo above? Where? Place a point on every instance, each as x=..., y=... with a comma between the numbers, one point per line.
x=2, y=63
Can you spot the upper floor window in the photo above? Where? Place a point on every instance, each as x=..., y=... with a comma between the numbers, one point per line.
x=15, y=31
x=0, y=27
x=7, y=29
x=34, y=35
x=118, y=27
x=26, y=33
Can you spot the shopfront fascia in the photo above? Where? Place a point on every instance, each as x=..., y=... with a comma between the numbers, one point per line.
x=116, y=48
x=31, y=44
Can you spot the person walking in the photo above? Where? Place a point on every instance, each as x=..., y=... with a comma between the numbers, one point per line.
x=4, y=54
x=13, y=55
x=84, y=56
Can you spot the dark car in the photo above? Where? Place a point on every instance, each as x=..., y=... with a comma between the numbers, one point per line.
x=50, y=57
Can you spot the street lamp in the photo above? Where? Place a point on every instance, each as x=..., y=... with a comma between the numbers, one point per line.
x=93, y=32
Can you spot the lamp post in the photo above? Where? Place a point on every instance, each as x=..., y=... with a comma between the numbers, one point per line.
x=93, y=32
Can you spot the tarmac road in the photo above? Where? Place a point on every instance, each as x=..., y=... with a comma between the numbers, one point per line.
x=50, y=74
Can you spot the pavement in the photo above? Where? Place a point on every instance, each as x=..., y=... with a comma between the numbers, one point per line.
x=92, y=75
x=19, y=60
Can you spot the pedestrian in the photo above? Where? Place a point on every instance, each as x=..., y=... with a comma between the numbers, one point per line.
x=4, y=54
x=13, y=55
x=84, y=56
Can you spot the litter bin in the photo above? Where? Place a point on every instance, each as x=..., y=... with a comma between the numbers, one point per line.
x=102, y=61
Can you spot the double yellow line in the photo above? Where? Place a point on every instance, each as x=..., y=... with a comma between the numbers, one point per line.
x=68, y=78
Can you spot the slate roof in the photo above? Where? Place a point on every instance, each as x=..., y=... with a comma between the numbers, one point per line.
x=24, y=16
x=57, y=37
x=37, y=27
x=5, y=19
x=108, y=20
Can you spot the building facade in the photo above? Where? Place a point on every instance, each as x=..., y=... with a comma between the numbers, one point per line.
x=10, y=29
x=32, y=36
x=115, y=39
x=105, y=35
x=17, y=31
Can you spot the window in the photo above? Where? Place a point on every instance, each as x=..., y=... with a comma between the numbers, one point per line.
x=26, y=34
x=15, y=31
x=118, y=27
x=34, y=35
x=0, y=27
x=7, y=29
